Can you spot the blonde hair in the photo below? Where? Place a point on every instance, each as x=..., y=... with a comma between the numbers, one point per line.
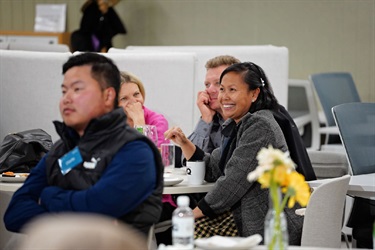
x=221, y=60
x=127, y=77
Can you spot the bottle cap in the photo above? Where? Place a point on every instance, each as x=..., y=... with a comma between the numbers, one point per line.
x=183, y=201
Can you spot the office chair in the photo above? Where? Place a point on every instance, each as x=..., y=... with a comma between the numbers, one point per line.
x=302, y=108
x=333, y=89
x=324, y=214
x=356, y=123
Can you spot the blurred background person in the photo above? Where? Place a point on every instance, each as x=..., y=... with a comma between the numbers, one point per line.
x=99, y=24
x=80, y=231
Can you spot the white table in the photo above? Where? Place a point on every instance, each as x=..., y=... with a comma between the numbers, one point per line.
x=261, y=247
x=184, y=187
x=181, y=188
x=7, y=190
x=359, y=185
x=9, y=186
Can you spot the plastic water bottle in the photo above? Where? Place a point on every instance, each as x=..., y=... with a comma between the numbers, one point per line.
x=183, y=224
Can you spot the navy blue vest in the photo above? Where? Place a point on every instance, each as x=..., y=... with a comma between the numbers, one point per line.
x=102, y=139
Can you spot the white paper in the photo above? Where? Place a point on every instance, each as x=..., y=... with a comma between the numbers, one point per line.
x=50, y=17
x=226, y=243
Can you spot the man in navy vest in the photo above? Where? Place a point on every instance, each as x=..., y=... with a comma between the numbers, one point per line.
x=100, y=164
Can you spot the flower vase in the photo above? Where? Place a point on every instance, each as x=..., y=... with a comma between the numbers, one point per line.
x=275, y=225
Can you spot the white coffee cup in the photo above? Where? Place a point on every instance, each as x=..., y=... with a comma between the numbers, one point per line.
x=195, y=171
x=168, y=156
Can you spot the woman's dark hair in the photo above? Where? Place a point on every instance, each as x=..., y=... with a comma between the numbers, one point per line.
x=102, y=69
x=254, y=77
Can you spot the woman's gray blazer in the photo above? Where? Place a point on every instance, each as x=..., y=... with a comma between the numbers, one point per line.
x=232, y=190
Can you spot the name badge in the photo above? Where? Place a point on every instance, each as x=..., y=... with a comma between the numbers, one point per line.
x=70, y=160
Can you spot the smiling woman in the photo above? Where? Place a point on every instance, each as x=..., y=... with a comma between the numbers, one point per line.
x=246, y=98
x=235, y=96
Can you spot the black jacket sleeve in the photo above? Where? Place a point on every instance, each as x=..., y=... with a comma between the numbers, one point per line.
x=295, y=143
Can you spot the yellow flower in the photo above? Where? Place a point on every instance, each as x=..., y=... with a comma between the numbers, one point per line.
x=269, y=158
x=280, y=175
x=276, y=169
x=265, y=180
x=300, y=190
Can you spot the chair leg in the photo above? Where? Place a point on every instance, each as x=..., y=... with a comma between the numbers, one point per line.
x=354, y=243
x=344, y=221
x=346, y=240
x=151, y=241
x=326, y=139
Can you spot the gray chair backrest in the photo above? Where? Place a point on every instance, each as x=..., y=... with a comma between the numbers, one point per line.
x=334, y=89
x=356, y=122
x=324, y=214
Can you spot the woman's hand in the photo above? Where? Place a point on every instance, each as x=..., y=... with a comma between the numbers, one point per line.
x=197, y=213
x=176, y=135
x=135, y=113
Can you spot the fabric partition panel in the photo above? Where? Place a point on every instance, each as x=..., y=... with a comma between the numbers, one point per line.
x=30, y=90
x=39, y=47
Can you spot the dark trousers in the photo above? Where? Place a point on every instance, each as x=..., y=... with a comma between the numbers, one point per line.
x=166, y=214
x=361, y=220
